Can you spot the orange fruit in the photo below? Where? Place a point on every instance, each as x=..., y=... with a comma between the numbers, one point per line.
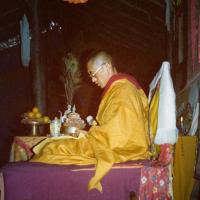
x=46, y=119
x=38, y=115
x=30, y=114
x=35, y=110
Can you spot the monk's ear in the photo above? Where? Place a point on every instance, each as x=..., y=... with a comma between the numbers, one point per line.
x=109, y=66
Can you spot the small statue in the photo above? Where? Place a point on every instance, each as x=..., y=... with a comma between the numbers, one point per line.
x=91, y=121
x=64, y=116
x=71, y=120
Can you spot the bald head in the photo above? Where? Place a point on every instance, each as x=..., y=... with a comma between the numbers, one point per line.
x=99, y=59
x=100, y=68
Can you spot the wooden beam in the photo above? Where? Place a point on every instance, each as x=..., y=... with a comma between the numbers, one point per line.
x=123, y=35
x=141, y=34
x=123, y=23
x=119, y=28
x=158, y=3
x=138, y=6
x=142, y=9
x=125, y=17
x=120, y=42
x=9, y=26
x=10, y=11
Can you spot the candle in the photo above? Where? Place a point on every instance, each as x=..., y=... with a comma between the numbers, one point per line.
x=181, y=123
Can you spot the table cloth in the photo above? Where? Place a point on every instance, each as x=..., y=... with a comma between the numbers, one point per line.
x=21, y=148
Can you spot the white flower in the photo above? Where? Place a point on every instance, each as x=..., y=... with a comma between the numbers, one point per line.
x=144, y=180
x=162, y=182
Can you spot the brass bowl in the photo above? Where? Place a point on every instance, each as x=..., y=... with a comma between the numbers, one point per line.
x=71, y=130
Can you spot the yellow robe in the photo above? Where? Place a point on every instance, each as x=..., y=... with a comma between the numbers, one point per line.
x=121, y=134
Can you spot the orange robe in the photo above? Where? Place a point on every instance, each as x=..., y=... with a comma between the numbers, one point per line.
x=121, y=134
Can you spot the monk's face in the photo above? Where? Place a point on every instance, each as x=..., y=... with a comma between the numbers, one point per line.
x=98, y=74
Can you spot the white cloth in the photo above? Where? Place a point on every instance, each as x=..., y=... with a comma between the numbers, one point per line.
x=166, y=129
x=25, y=41
x=195, y=119
x=194, y=93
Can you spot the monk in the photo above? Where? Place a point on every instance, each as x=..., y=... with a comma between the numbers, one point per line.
x=121, y=133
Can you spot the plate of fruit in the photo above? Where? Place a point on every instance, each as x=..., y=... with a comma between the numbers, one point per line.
x=35, y=117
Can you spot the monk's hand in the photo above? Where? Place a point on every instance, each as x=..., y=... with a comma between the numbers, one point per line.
x=81, y=133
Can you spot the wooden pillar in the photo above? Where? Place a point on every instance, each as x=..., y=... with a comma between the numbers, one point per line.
x=38, y=68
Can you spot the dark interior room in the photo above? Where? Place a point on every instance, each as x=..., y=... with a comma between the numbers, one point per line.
x=45, y=47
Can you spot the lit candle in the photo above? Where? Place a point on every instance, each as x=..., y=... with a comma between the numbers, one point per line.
x=181, y=123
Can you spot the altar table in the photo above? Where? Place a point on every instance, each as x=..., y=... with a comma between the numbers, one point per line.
x=184, y=160
x=31, y=181
x=21, y=149
x=46, y=181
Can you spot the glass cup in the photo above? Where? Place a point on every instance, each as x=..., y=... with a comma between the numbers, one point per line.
x=55, y=127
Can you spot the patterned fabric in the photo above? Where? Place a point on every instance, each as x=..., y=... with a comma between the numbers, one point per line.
x=166, y=154
x=21, y=149
x=165, y=157
x=154, y=184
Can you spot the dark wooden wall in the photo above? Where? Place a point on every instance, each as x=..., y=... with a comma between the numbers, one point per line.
x=15, y=98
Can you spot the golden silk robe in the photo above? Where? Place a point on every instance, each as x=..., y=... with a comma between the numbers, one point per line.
x=121, y=134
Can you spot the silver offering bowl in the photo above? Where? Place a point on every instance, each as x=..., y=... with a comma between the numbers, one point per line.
x=34, y=125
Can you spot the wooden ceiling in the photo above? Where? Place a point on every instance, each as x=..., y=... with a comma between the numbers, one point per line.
x=10, y=15
x=135, y=27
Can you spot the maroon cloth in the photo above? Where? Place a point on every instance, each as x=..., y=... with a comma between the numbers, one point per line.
x=193, y=33
x=39, y=181
x=119, y=76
